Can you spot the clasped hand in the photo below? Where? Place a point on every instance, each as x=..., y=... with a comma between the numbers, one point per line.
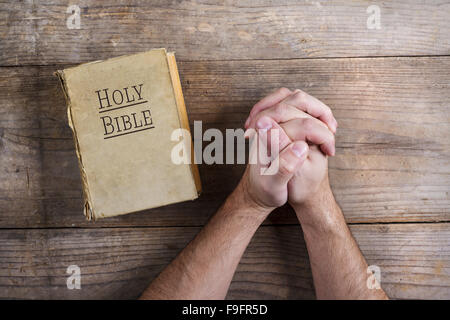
x=305, y=136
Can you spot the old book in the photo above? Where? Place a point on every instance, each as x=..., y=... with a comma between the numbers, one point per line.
x=122, y=112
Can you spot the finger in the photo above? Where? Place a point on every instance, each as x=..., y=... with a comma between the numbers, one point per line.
x=271, y=139
x=276, y=139
x=312, y=106
x=287, y=163
x=260, y=143
x=310, y=130
x=281, y=112
x=267, y=102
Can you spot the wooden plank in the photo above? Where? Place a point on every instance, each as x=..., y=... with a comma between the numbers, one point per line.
x=392, y=160
x=17, y=36
x=36, y=33
x=119, y=263
x=414, y=259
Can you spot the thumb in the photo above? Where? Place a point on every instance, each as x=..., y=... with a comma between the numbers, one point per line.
x=288, y=162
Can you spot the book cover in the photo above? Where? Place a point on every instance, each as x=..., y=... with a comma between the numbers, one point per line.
x=122, y=112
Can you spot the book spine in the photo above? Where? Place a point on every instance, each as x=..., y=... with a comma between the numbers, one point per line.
x=88, y=211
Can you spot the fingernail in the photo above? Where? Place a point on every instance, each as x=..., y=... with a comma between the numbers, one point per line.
x=299, y=149
x=264, y=123
x=247, y=122
x=333, y=151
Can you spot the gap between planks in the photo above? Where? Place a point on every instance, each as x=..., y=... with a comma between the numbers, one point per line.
x=201, y=226
x=238, y=60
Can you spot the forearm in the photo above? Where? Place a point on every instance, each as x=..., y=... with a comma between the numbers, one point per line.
x=204, y=269
x=338, y=267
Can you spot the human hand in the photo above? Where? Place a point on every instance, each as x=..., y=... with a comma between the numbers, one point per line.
x=265, y=183
x=298, y=116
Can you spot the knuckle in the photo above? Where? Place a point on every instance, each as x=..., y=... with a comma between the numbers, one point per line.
x=255, y=118
x=284, y=90
x=300, y=96
x=279, y=109
x=329, y=139
x=308, y=124
x=333, y=139
x=328, y=111
x=286, y=168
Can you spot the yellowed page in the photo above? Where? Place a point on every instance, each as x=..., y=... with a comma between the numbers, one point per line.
x=184, y=121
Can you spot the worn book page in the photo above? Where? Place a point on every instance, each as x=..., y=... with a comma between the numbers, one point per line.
x=123, y=112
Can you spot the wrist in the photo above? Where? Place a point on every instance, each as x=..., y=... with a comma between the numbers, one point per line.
x=320, y=213
x=241, y=200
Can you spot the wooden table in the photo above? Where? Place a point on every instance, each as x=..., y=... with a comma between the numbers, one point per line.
x=389, y=89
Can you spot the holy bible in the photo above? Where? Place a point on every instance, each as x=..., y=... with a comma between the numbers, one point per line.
x=122, y=112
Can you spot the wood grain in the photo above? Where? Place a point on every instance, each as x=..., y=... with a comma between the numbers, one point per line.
x=119, y=263
x=392, y=160
x=414, y=258
x=36, y=32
